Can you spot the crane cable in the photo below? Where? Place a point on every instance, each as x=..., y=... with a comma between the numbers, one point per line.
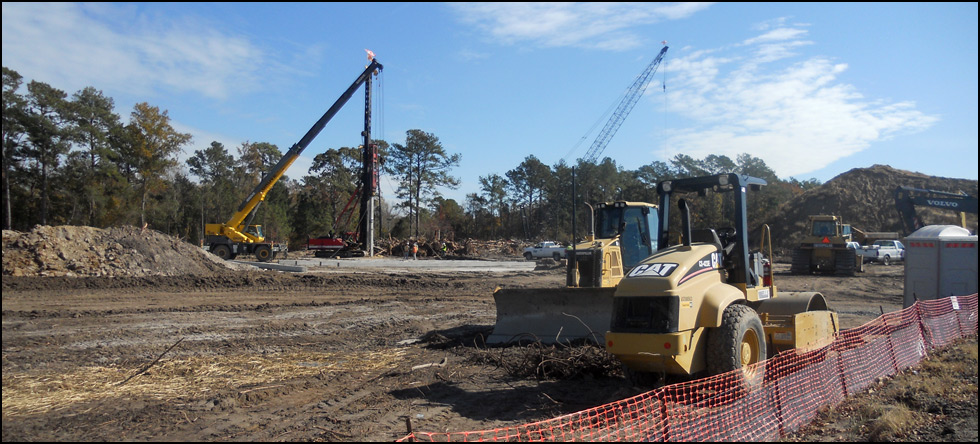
x=379, y=106
x=626, y=103
x=663, y=130
x=602, y=118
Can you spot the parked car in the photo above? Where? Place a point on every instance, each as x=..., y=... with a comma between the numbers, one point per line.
x=883, y=251
x=545, y=249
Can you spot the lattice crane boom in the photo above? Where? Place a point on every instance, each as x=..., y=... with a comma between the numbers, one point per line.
x=625, y=106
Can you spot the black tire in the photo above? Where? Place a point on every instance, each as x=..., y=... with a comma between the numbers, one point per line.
x=801, y=261
x=845, y=262
x=738, y=344
x=263, y=253
x=528, y=256
x=556, y=257
x=640, y=379
x=222, y=251
x=886, y=260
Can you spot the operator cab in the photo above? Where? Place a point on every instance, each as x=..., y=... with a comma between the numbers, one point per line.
x=255, y=230
x=741, y=266
x=634, y=225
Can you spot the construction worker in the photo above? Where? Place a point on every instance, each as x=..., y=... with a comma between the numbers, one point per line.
x=415, y=250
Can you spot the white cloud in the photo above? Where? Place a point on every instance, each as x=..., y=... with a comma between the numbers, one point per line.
x=587, y=25
x=74, y=46
x=776, y=35
x=116, y=49
x=797, y=119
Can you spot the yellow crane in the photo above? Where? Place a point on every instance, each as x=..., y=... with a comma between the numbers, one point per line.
x=237, y=235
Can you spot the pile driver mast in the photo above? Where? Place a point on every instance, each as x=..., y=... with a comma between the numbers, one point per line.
x=237, y=235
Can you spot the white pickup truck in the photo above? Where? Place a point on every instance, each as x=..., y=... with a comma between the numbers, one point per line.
x=883, y=251
x=545, y=249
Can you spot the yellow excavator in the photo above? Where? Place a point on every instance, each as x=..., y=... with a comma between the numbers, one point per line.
x=622, y=234
x=237, y=235
x=708, y=305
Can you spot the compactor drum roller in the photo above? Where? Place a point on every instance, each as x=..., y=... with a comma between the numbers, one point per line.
x=708, y=305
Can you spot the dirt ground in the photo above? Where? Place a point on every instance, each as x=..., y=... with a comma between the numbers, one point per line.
x=326, y=355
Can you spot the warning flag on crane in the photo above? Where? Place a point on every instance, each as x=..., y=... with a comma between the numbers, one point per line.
x=370, y=54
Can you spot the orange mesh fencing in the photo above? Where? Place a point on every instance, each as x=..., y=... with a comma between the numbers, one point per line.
x=772, y=399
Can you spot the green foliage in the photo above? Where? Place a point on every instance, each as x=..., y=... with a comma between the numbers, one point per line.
x=48, y=139
x=449, y=220
x=150, y=147
x=420, y=166
x=93, y=121
x=71, y=160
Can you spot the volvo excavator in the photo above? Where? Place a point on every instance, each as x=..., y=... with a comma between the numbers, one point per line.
x=907, y=198
x=622, y=235
x=238, y=236
x=707, y=304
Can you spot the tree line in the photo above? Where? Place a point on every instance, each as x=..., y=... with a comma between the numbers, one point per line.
x=70, y=160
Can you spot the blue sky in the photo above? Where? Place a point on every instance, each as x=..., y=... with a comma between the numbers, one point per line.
x=813, y=89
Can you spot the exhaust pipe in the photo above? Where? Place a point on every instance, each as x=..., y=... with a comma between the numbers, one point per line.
x=685, y=222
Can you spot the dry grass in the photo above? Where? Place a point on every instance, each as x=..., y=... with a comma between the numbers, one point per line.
x=893, y=422
x=909, y=406
x=170, y=379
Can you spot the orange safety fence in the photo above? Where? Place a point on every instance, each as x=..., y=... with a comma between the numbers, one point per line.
x=780, y=395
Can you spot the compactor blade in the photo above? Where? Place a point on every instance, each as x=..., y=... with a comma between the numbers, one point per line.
x=552, y=315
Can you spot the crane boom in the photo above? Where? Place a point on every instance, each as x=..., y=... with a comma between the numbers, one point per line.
x=625, y=106
x=236, y=235
x=258, y=194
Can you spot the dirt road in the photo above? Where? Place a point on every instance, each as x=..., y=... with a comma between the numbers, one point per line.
x=331, y=354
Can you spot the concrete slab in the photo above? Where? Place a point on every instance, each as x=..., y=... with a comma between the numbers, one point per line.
x=408, y=265
x=274, y=266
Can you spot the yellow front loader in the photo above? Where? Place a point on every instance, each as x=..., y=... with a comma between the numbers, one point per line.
x=623, y=234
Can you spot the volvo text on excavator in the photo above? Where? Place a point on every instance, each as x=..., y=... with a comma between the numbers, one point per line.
x=907, y=198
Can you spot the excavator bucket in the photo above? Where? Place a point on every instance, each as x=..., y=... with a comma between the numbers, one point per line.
x=552, y=315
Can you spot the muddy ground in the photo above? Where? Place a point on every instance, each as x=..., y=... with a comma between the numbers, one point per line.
x=326, y=355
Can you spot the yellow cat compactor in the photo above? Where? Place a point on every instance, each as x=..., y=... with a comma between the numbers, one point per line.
x=708, y=305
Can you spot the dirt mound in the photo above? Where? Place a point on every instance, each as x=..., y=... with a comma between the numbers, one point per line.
x=113, y=252
x=864, y=198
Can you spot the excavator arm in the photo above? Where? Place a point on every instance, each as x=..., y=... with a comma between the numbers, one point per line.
x=907, y=198
x=236, y=227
